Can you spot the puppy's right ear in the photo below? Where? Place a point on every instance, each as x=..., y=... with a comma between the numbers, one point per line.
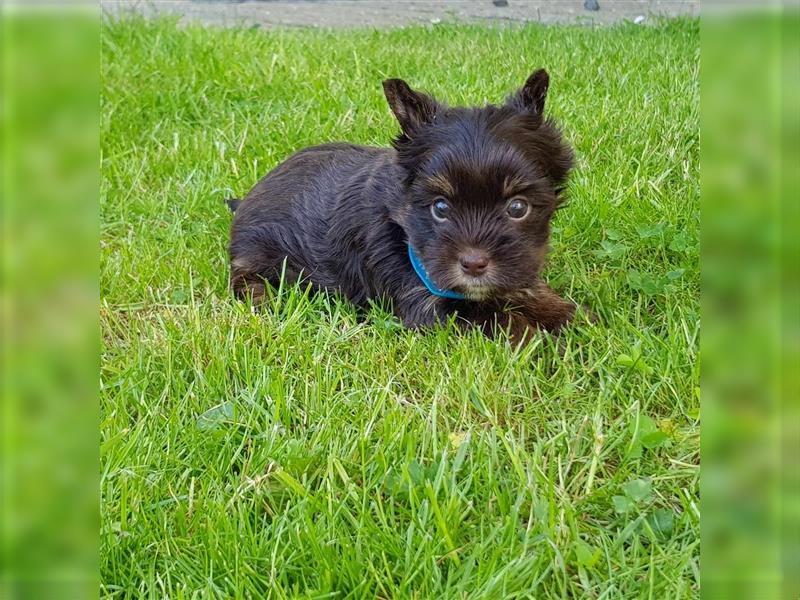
x=531, y=96
x=413, y=109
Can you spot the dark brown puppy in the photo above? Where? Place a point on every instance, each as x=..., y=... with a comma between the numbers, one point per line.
x=470, y=190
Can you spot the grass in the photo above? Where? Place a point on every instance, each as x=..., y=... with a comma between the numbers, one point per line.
x=310, y=452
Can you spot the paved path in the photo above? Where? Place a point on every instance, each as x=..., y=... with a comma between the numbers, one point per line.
x=383, y=13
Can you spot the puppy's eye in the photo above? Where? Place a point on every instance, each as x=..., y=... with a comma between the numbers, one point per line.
x=440, y=209
x=517, y=208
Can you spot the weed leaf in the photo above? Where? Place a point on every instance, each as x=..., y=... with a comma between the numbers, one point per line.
x=216, y=416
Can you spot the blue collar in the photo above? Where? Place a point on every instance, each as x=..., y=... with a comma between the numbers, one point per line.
x=426, y=280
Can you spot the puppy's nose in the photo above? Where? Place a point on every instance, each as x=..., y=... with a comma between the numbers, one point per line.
x=474, y=262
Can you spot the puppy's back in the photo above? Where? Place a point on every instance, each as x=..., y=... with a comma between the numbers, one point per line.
x=286, y=214
x=306, y=174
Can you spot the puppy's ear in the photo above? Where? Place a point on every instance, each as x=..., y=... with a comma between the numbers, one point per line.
x=531, y=96
x=412, y=109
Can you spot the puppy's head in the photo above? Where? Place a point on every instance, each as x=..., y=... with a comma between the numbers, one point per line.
x=481, y=186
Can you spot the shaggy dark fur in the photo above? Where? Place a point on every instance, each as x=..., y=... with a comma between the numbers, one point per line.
x=340, y=216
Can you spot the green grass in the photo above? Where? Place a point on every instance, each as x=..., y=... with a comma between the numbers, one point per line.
x=308, y=452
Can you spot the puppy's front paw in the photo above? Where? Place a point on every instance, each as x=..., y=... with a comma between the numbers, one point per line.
x=420, y=317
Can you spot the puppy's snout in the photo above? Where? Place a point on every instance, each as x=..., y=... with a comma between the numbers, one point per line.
x=473, y=262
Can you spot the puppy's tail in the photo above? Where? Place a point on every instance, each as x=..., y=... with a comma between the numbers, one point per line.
x=233, y=203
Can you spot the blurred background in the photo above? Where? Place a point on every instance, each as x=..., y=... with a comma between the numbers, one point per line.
x=750, y=107
x=50, y=352
x=373, y=13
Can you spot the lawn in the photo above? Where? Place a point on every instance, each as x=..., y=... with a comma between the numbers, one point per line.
x=311, y=451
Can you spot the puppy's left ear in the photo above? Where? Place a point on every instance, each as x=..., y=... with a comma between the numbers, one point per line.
x=531, y=96
x=413, y=109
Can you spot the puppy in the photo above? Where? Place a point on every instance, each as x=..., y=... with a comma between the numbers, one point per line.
x=453, y=220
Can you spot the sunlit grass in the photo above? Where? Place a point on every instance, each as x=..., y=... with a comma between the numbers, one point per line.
x=311, y=451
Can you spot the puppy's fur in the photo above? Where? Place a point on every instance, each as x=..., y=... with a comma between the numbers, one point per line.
x=341, y=216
